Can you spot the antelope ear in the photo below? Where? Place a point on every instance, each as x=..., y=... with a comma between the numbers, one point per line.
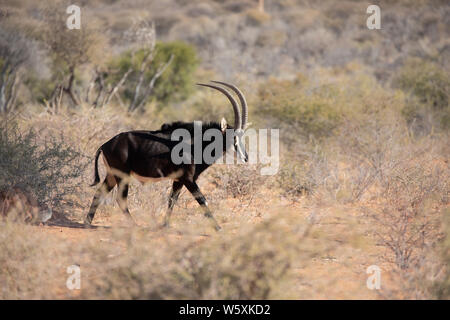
x=223, y=125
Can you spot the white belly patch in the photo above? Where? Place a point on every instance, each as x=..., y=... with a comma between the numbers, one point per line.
x=174, y=175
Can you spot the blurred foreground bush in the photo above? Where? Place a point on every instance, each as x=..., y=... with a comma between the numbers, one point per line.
x=441, y=288
x=255, y=264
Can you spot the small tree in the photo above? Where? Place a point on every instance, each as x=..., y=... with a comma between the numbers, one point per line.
x=177, y=81
x=14, y=52
x=137, y=70
x=161, y=70
x=69, y=49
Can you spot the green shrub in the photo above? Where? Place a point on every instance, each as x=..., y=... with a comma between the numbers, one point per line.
x=429, y=87
x=175, y=83
x=308, y=113
x=40, y=89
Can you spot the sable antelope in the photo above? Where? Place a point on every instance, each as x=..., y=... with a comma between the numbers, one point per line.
x=146, y=155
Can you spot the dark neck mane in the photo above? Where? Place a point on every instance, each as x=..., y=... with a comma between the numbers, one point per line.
x=169, y=127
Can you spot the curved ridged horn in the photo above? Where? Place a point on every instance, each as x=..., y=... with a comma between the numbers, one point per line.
x=241, y=98
x=237, y=112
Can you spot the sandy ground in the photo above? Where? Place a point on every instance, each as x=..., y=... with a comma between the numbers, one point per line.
x=339, y=273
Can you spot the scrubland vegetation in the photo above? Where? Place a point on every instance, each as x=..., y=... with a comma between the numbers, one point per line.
x=364, y=151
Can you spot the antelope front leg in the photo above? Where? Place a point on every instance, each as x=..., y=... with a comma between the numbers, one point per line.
x=195, y=191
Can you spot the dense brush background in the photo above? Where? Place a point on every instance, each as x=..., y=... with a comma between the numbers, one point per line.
x=364, y=121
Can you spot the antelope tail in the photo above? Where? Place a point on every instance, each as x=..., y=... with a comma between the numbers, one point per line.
x=97, y=177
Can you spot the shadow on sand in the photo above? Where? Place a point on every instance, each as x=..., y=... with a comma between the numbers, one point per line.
x=58, y=219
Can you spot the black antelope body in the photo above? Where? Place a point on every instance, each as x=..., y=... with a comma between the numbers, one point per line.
x=146, y=155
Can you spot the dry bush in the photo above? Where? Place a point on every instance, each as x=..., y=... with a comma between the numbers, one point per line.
x=164, y=23
x=316, y=41
x=340, y=134
x=409, y=216
x=271, y=37
x=238, y=181
x=255, y=264
x=307, y=171
x=441, y=287
x=194, y=31
x=303, y=19
x=15, y=52
x=69, y=50
x=201, y=9
x=238, y=6
x=256, y=17
x=339, y=14
x=372, y=148
x=46, y=169
x=17, y=205
x=427, y=276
